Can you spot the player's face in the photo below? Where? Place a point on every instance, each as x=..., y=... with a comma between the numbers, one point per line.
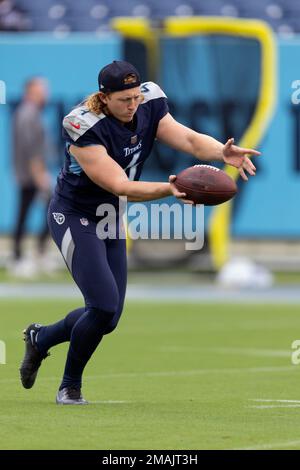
x=123, y=104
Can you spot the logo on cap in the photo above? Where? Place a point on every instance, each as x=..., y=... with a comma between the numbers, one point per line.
x=118, y=76
x=130, y=78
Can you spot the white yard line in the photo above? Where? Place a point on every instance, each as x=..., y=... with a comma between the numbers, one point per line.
x=282, y=403
x=266, y=400
x=274, y=445
x=266, y=407
x=109, y=402
x=253, y=352
x=182, y=373
x=231, y=351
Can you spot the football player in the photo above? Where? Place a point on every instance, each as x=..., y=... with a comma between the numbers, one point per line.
x=108, y=138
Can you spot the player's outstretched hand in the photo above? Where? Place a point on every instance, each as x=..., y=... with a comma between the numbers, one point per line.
x=237, y=157
x=176, y=193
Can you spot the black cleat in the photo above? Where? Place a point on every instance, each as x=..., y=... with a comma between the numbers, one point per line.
x=32, y=358
x=70, y=396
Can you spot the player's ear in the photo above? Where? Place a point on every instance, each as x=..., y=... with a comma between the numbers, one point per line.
x=103, y=97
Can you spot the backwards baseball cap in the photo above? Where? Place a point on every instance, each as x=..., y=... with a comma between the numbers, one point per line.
x=118, y=76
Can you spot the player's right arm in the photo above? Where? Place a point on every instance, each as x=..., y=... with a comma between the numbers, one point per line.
x=106, y=173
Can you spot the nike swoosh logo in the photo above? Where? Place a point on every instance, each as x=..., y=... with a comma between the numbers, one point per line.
x=77, y=126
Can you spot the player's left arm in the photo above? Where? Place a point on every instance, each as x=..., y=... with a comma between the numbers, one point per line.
x=203, y=146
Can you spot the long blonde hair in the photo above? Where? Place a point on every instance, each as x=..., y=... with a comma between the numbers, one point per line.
x=95, y=104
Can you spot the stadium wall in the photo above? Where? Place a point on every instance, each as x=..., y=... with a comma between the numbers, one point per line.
x=267, y=205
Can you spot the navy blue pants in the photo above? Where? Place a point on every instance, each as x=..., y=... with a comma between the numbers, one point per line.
x=99, y=268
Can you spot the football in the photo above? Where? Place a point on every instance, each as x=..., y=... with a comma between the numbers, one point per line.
x=206, y=184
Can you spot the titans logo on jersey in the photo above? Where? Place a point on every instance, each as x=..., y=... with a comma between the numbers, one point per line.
x=129, y=147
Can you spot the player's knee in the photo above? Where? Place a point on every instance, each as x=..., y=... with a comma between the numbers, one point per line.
x=110, y=327
x=109, y=302
x=105, y=316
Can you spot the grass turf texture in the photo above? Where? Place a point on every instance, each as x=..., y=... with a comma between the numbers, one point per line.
x=170, y=377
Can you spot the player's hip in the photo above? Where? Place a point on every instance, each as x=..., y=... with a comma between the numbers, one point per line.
x=63, y=220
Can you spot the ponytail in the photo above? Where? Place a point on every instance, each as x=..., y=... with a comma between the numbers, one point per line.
x=95, y=104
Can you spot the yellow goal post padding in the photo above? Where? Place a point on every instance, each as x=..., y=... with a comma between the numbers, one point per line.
x=219, y=226
x=140, y=28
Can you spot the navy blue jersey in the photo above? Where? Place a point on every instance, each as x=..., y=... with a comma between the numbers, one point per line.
x=129, y=148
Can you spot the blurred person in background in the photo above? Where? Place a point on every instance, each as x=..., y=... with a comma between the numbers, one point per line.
x=32, y=177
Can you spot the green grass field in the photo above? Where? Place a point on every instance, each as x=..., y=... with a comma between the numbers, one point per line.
x=171, y=377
